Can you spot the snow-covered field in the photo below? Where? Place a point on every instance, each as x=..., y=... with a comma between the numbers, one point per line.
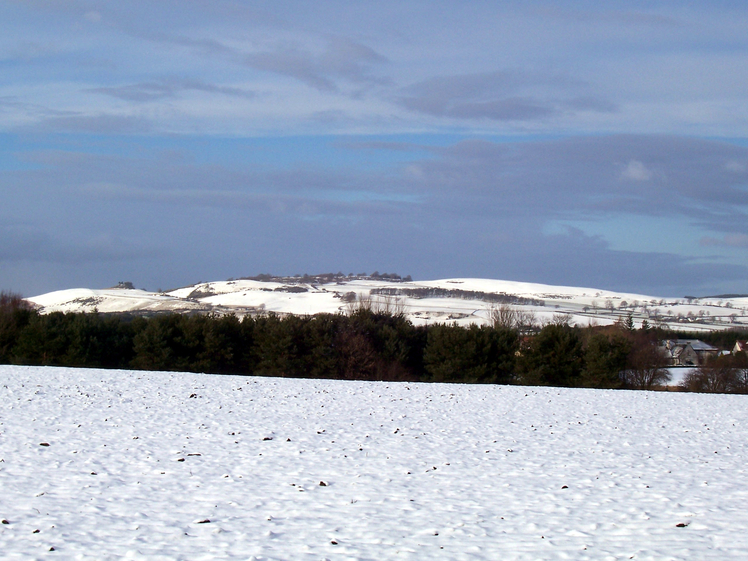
x=145, y=465
x=585, y=306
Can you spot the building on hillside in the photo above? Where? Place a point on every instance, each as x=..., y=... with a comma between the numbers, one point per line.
x=740, y=347
x=688, y=352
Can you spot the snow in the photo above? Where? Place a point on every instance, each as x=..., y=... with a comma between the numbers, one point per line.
x=533, y=290
x=585, y=306
x=111, y=300
x=678, y=374
x=146, y=465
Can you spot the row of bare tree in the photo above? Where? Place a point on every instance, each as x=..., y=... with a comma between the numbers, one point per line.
x=722, y=374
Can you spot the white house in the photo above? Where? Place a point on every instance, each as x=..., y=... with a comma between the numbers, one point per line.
x=688, y=352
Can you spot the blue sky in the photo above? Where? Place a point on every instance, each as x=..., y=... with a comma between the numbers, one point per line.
x=600, y=144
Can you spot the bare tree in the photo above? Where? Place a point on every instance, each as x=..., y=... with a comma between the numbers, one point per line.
x=358, y=303
x=503, y=316
x=721, y=374
x=392, y=305
x=561, y=319
x=10, y=301
x=716, y=378
x=385, y=304
x=527, y=321
x=647, y=366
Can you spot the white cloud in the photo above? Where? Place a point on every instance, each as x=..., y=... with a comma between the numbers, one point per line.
x=734, y=166
x=637, y=171
x=92, y=16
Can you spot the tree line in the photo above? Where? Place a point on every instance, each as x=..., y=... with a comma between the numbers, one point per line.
x=365, y=344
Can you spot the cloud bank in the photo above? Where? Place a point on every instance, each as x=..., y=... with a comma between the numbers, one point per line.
x=584, y=144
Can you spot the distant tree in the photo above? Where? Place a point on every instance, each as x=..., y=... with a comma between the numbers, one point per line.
x=626, y=323
x=470, y=354
x=11, y=301
x=554, y=357
x=220, y=345
x=45, y=340
x=722, y=374
x=646, y=367
x=504, y=316
x=279, y=346
x=397, y=343
x=357, y=357
x=325, y=351
x=527, y=322
x=561, y=319
x=15, y=315
x=95, y=340
x=712, y=379
x=155, y=343
x=388, y=304
x=604, y=359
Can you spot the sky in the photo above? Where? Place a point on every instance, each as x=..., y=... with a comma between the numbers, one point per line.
x=601, y=144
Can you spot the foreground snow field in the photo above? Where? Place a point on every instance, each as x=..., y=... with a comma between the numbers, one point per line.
x=109, y=464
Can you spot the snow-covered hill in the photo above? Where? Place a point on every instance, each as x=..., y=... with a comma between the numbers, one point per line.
x=141, y=465
x=462, y=300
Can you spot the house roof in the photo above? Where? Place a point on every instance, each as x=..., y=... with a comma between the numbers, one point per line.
x=696, y=345
x=701, y=346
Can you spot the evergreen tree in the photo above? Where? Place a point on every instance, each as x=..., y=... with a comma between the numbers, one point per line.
x=15, y=315
x=604, y=360
x=473, y=354
x=554, y=357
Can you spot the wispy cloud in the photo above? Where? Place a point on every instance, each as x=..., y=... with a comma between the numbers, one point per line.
x=169, y=88
x=515, y=95
x=340, y=58
x=96, y=124
x=728, y=240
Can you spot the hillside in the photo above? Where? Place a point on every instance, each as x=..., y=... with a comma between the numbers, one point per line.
x=423, y=302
